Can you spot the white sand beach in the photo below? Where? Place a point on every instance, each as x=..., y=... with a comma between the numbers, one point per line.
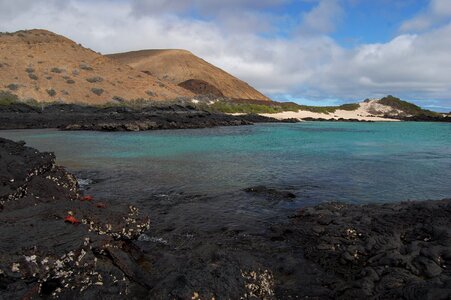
x=366, y=112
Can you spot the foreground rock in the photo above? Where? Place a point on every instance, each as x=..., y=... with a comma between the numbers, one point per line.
x=76, y=117
x=52, y=243
x=391, y=251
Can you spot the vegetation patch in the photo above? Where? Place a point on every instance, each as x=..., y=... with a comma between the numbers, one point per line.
x=86, y=67
x=7, y=98
x=406, y=107
x=94, y=79
x=259, y=107
x=231, y=107
x=33, y=76
x=51, y=92
x=70, y=81
x=118, y=99
x=13, y=86
x=29, y=70
x=97, y=91
x=57, y=70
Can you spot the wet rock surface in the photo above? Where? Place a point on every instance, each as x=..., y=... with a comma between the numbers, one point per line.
x=41, y=253
x=271, y=193
x=76, y=117
x=427, y=118
x=390, y=251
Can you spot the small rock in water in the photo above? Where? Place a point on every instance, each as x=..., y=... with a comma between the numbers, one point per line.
x=83, y=183
x=270, y=192
x=145, y=238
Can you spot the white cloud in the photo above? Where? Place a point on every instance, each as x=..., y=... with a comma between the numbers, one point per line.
x=303, y=66
x=323, y=18
x=438, y=13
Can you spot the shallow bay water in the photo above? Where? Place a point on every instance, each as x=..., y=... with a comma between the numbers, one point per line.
x=190, y=182
x=352, y=162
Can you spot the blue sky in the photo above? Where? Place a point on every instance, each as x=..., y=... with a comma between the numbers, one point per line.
x=318, y=52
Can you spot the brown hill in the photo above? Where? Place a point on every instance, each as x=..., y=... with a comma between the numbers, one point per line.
x=41, y=65
x=183, y=68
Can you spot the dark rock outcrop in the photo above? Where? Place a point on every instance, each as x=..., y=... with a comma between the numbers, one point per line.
x=53, y=244
x=76, y=117
x=270, y=192
x=390, y=251
x=427, y=118
x=200, y=87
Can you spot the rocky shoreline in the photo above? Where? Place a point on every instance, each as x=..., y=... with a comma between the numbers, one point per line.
x=77, y=117
x=56, y=242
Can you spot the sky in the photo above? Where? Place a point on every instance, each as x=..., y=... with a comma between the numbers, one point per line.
x=315, y=52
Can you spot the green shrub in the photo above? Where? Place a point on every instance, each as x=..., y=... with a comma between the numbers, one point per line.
x=349, y=106
x=13, y=86
x=56, y=70
x=51, y=92
x=94, y=79
x=118, y=99
x=97, y=91
x=33, y=76
x=231, y=107
x=85, y=67
x=7, y=98
x=407, y=107
x=32, y=102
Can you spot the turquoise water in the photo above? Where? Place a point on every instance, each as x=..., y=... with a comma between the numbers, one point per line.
x=319, y=161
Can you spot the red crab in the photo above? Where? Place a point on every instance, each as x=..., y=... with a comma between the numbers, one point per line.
x=71, y=219
x=101, y=205
x=87, y=198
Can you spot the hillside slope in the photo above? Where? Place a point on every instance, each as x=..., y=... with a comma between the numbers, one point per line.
x=183, y=68
x=44, y=66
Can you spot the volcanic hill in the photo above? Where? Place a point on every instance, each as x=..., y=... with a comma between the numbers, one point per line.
x=183, y=68
x=46, y=67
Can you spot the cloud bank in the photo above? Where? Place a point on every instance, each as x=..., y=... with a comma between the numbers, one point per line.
x=287, y=56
